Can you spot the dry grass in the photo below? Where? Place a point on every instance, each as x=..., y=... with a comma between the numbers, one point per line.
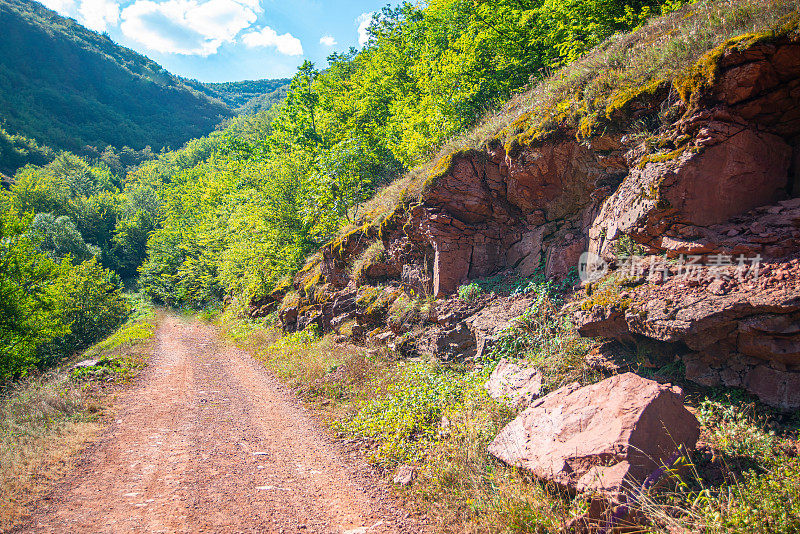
x=463, y=489
x=662, y=49
x=46, y=420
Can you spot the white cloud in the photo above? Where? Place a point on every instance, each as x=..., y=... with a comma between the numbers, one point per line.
x=363, y=21
x=187, y=26
x=286, y=44
x=98, y=15
x=327, y=40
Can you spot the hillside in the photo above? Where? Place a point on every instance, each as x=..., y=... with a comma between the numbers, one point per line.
x=249, y=96
x=68, y=87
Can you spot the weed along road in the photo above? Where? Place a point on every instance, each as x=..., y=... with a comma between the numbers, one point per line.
x=208, y=441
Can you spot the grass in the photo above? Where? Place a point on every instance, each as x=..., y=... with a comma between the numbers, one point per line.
x=438, y=418
x=743, y=478
x=591, y=96
x=46, y=420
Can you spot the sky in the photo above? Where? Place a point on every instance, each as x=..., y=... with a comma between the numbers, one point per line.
x=228, y=40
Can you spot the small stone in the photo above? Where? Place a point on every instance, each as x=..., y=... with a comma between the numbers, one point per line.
x=404, y=475
x=513, y=384
x=717, y=287
x=86, y=363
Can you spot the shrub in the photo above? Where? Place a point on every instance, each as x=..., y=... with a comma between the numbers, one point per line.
x=469, y=292
x=92, y=305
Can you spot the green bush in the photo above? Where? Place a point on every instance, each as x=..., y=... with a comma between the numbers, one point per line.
x=92, y=306
x=405, y=418
x=469, y=292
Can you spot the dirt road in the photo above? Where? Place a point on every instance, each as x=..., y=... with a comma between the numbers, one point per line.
x=207, y=441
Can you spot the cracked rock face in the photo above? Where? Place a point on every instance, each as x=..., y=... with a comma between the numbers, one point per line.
x=605, y=438
x=728, y=182
x=740, y=333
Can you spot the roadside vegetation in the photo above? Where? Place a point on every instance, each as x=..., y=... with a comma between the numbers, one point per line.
x=438, y=418
x=47, y=418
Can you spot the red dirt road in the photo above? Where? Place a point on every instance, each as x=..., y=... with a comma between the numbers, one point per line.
x=207, y=441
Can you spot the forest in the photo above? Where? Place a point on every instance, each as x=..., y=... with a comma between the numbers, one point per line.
x=235, y=213
x=64, y=87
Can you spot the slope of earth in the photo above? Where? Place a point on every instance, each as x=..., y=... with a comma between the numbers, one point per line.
x=207, y=441
x=69, y=87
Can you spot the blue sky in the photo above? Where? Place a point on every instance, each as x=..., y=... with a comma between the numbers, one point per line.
x=227, y=40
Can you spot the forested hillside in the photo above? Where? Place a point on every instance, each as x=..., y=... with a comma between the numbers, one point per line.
x=70, y=88
x=249, y=96
x=282, y=183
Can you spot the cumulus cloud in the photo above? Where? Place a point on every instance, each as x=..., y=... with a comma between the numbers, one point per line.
x=98, y=15
x=286, y=44
x=363, y=21
x=327, y=40
x=187, y=26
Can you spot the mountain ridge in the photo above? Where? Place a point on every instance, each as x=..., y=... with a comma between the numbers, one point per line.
x=70, y=88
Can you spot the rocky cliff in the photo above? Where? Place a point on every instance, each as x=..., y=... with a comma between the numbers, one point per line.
x=707, y=201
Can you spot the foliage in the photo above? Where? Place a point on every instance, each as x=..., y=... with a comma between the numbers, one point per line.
x=273, y=187
x=16, y=151
x=30, y=300
x=469, y=292
x=49, y=310
x=58, y=238
x=546, y=338
x=249, y=96
x=405, y=419
x=93, y=306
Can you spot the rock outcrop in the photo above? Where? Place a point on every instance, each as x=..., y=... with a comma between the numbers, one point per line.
x=721, y=188
x=605, y=438
x=728, y=331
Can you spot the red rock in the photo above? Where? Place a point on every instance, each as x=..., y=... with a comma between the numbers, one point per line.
x=514, y=385
x=606, y=438
x=774, y=387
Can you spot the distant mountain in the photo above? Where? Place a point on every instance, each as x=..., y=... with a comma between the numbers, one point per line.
x=249, y=96
x=71, y=88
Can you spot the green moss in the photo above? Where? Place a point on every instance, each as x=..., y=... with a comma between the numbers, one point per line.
x=620, y=103
x=375, y=253
x=366, y=296
x=389, y=222
x=661, y=157
x=442, y=167
x=704, y=74
x=608, y=294
x=588, y=126
x=291, y=300
x=375, y=301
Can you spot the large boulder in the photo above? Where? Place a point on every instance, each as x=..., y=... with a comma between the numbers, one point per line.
x=604, y=438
